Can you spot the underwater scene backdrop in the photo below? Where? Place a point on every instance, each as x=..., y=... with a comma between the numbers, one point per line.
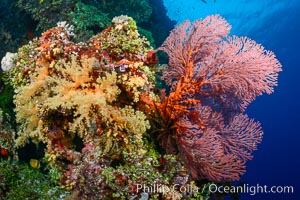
x=151, y=99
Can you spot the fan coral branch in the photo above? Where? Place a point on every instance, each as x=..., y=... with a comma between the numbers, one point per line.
x=188, y=43
x=241, y=137
x=213, y=78
x=238, y=71
x=204, y=155
x=213, y=150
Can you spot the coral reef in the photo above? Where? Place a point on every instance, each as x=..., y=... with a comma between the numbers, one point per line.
x=138, y=10
x=90, y=17
x=7, y=135
x=19, y=181
x=108, y=130
x=21, y=21
x=83, y=101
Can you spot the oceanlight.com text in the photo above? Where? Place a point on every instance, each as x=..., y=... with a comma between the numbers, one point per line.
x=251, y=189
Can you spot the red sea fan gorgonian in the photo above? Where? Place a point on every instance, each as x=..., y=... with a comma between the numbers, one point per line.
x=213, y=77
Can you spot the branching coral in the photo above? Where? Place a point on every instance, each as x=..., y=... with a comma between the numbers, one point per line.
x=227, y=73
x=213, y=77
x=216, y=151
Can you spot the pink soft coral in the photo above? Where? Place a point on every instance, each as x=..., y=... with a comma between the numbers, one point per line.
x=213, y=78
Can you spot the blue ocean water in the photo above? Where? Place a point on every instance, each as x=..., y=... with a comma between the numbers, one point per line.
x=274, y=24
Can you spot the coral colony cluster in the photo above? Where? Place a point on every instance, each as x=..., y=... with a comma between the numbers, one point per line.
x=113, y=134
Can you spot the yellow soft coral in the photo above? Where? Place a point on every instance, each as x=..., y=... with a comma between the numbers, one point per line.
x=67, y=89
x=70, y=88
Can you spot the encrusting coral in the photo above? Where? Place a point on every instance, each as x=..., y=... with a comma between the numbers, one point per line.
x=96, y=107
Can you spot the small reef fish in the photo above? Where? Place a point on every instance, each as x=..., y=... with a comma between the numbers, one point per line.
x=3, y=152
x=204, y=1
x=34, y=163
